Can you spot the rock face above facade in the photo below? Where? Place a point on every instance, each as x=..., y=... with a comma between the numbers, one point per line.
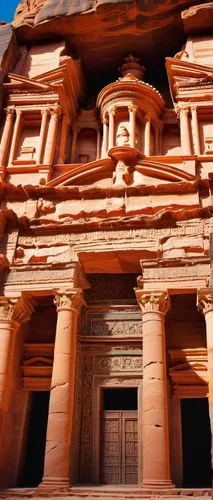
x=143, y=25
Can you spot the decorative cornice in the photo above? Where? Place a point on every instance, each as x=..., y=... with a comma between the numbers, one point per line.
x=69, y=299
x=153, y=301
x=205, y=300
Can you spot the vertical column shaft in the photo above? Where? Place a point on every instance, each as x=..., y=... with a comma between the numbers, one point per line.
x=60, y=418
x=147, y=136
x=132, y=123
x=43, y=129
x=111, y=128
x=185, y=132
x=51, y=136
x=74, y=140
x=15, y=135
x=156, y=466
x=63, y=140
x=105, y=139
x=205, y=304
x=6, y=136
x=98, y=148
x=195, y=130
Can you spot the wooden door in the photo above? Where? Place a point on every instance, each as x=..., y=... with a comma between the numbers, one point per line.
x=119, y=447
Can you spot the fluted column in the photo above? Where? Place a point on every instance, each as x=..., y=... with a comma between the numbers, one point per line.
x=111, y=128
x=51, y=136
x=15, y=135
x=195, y=130
x=205, y=305
x=13, y=312
x=105, y=139
x=6, y=136
x=185, y=138
x=147, y=136
x=132, y=124
x=155, y=452
x=60, y=418
x=43, y=129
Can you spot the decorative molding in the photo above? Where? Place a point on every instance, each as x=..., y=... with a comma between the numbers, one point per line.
x=116, y=328
x=205, y=300
x=153, y=301
x=68, y=299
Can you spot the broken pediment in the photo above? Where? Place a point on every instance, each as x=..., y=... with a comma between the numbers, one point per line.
x=122, y=170
x=188, y=79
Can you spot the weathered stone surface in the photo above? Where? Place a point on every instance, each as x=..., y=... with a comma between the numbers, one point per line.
x=142, y=26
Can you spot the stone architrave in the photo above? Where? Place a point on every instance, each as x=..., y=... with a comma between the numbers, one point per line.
x=60, y=418
x=13, y=312
x=205, y=305
x=155, y=452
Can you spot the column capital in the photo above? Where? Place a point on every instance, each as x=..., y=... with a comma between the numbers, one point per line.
x=10, y=112
x=205, y=300
x=153, y=301
x=16, y=309
x=132, y=108
x=193, y=107
x=55, y=112
x=69, y=299
x=112, y=111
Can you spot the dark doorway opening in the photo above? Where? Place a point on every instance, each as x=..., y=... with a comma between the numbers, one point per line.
x=196, y=443
x=33, y=465
x=120, y=399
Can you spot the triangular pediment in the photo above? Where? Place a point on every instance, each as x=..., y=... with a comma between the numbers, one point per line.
x=144, y=172
x=187, y=75
x=22, y=83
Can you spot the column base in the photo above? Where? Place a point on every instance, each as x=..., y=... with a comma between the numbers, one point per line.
x=53, y=484
x=158, y=484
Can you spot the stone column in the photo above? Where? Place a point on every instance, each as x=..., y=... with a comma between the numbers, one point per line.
x=156, y=139
x=13, y=312
x=60, y=419
x=132, y=123
x=15, y=135
x=6, y=136
x=155, y=452
x=105, y=139
x=74, y=140
x=63, y=140
x=195, y=130
x=98, y=148
x=51, y=136
x=147, y=136
x=185, y=132
x=205, y=305
x=43, y=129
x=111, y=128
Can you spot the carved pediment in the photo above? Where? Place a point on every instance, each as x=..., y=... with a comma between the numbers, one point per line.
x=187, y=79
x=122, y=172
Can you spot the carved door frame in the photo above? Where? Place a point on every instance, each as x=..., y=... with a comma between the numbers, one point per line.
x=113, y=382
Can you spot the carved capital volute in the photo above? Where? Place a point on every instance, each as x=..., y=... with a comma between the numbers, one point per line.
x=205, y=300
x=69, y=299
x=16, y=309
x=153, y=301
x=7, y=306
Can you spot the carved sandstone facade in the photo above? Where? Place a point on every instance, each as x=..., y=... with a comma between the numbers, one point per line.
x=106, y=300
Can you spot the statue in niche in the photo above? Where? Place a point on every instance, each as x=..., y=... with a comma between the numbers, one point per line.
x=122, y=137
x=122, y=175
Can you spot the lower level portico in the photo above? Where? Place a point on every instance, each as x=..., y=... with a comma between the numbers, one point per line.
x=119, y=375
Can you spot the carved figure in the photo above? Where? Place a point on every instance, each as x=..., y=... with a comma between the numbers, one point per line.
x=122, y=137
